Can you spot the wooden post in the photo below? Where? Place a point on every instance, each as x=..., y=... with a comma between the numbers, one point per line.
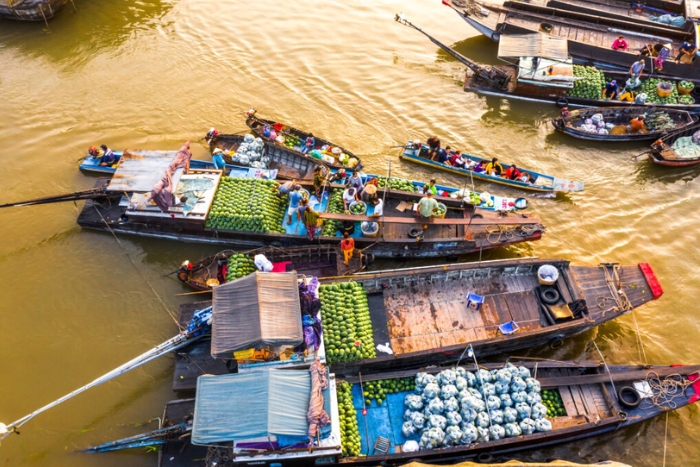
x=41, y=8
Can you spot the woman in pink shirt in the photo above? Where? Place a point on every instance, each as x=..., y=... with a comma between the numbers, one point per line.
x=619, y=44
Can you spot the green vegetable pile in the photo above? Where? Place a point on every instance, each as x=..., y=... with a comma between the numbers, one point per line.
x=686, y=100
x=239, y=265
x=440, y=210
x=248, y=204
x=335, y=206
x=359, y=208
x=552, y=400
x=649, y=87
x=592, y=84
x=377, y=390
x=687, y=85
x=397, y=184
x=347, y=327
x=659, y=121
x=349, y=434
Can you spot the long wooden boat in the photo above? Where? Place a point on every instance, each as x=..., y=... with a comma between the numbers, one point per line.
x=665, y=151
x=425, y=316
x=30, y=10
x=627, y=11
x=594, y=399
x=417, y=153
x=528, y=78
x=462, y=230
x=311, y=260
x=295, y=138
x=616, y=119
x=589, y=35
x=291, y=164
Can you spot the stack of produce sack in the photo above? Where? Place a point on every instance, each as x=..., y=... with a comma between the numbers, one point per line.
x=250, y=153
x=461, y=407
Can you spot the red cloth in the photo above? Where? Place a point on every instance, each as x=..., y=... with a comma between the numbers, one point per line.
x=281, y=266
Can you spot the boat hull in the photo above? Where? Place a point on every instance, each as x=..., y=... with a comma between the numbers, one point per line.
x=663, y=153
x=32, y=10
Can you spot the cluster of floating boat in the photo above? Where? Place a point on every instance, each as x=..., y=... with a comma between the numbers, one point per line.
x=319, y=361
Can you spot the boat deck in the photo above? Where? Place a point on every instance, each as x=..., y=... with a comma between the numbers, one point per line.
x=596, y=286
x=613, y=8
x=180, y=453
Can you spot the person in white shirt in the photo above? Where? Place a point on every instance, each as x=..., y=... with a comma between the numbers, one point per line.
x=378, y=207
x=349, y=195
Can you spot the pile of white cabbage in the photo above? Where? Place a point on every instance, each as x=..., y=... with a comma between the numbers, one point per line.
x=250, y=153
x=461, y=407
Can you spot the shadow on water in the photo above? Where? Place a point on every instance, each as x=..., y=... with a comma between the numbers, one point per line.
x=479, y=49
x=75, y=37
x=647, y=172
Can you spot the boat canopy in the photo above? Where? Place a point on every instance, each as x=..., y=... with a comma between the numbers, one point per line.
x=533, y=45
x=256, y=310
x=139, y=170
x=242, y=406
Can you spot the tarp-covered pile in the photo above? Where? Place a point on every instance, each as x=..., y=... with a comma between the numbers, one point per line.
x=162, y=192
x=533, y=45
x=251, y=405
x=255, y=311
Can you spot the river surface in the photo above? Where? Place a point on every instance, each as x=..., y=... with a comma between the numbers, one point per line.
x=151, y=74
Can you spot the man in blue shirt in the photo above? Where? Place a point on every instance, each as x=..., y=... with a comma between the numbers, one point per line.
x=295, y=198
x=688, y=48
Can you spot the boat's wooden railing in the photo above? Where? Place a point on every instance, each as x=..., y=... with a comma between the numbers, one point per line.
x=432, y=220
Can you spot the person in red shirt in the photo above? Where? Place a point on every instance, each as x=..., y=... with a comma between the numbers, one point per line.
x=347, y=245
x=512, y=173
x=637, y=124
x=620, y=44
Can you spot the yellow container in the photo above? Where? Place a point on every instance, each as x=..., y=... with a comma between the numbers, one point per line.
x=683, y=91
x=663, y=92
x=441, y=216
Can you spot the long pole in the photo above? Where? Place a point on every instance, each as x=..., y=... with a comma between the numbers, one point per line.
x=386, y=190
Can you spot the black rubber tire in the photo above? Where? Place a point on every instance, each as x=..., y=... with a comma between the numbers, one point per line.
x=550, y=296
x=556, y=343
x=484, y=458
x=562, y=102
x=477, y=216
x=368, y=258
x=628, y=397
x=415, y=232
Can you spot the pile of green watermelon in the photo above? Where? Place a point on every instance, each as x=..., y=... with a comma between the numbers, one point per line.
x=591, y=82
x=552, y=400
x=377, y=390
x=397, y=184
x=349, y=433
x=239, y=265
x=347, y=327
x=248, y=204
x=335, y=206
x=649, y=87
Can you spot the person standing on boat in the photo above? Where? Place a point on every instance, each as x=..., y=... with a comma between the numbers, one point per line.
x=430, y=188
x=494, y=167
x=663, y=51
x=295, y=198
x=349, y=197
x=610, y=90
x=512, y=173
x=284, y=189
x=108, y=156
x=426, y=206
x=218, y=159
x=356, y=182
x=309, y=144
x=636, y=71
x=378, y=207
x=687, y=49
x=318, y=181
x=347, y=246
x=620, y=43
x=310, y=219
x=433, y=146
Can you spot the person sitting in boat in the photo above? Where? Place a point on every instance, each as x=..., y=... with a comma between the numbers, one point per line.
x=430, y=187
x=494, y=167
x=610, y=90
x=525, y=177
x=637, y=125
x=478, y=168
x=688, y=49
x=443, y=155
x=356, y=182
x=456, y=160
x=646, y=51
x=626, y=95
x=369, y=194
x=108, y=156
x=339, y=176
x=309, y=144
x=93, y=152
x=349, y=196
x=295, y=198
x=565, y=112
x=620, y=43
x=512, y=173
x=433, y=146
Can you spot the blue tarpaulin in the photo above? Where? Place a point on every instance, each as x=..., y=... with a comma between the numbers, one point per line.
x=249, y=405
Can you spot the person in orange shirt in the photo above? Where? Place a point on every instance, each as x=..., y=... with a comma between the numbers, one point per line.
x=637, y=124
x=347, y=245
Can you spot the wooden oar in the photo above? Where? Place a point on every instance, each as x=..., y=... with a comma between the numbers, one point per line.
x=192, y=293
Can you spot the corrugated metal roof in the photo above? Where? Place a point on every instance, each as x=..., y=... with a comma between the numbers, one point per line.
x=139, y=170
x=533, y=45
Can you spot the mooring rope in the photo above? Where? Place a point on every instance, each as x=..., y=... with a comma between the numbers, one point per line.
x=665, y=391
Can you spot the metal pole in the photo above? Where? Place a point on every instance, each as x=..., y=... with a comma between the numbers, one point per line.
x=386, y=190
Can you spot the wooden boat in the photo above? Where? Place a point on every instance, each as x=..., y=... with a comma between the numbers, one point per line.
x=595, y=399
x=30, y=10
x=416, y=152
x=666, y=152
x=528, y=78
x=589, y=35
x=460, y=230
x=295, y=139
x=312, y=260
x=425, y=315
x=619, y=118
